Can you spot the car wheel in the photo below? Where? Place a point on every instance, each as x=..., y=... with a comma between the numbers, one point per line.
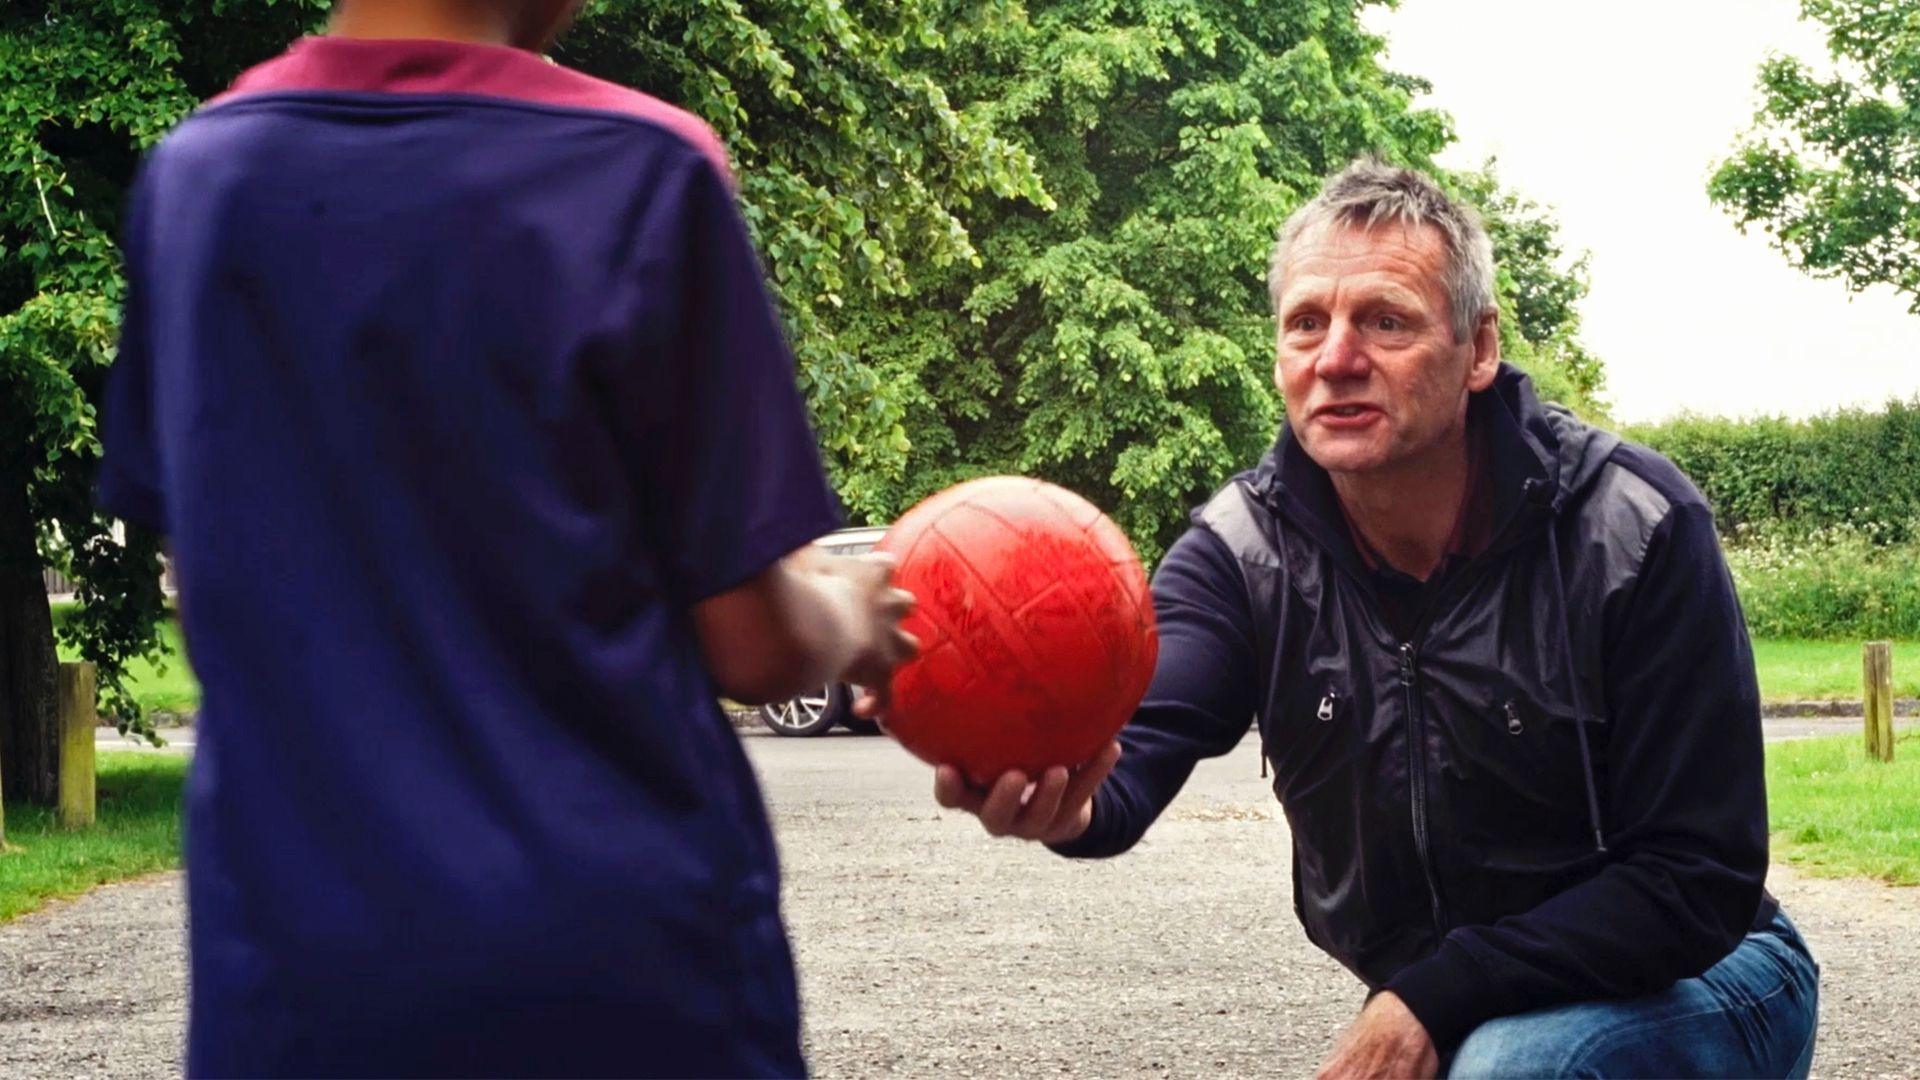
x=812, y=713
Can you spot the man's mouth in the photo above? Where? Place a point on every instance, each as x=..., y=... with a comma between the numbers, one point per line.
x=1354, y=411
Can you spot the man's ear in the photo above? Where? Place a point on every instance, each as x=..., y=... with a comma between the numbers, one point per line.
x=1486, y=352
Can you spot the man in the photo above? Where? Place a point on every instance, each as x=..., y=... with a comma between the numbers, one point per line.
x=1500, y=674
x=452, y=379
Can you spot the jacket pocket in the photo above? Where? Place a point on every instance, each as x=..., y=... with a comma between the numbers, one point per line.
x=1515, y=790
x=1312, y=737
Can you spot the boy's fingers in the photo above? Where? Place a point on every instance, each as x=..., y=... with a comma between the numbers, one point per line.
x=907, y=645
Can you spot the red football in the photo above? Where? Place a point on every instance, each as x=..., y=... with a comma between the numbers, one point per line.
x=1036, y=631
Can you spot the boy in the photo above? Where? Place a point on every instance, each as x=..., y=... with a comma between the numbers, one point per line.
x=451, y=377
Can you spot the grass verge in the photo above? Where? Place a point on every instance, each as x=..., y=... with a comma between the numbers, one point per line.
x=1797, y=670
x=138, y=832
x=164, y=687
x=1837, y=814
x=1790, y=670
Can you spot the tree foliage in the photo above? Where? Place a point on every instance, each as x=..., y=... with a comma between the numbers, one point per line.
x=1005, y=236
x=1120, y=342
x=1831, y=168
x=84, y=87
x=854, y=166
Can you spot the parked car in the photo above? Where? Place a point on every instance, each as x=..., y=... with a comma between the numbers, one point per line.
x=819, y=711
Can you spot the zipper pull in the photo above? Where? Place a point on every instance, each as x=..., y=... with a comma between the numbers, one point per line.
x=1406, y=663
x=1327, y=704
x=1514, y=727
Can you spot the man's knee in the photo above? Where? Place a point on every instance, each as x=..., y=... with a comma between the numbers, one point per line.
x=1536, y=1044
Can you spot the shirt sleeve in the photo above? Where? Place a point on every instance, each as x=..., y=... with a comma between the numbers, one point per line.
x=737, y=468
x=129, y=483
x=1686, y=815
x=1201, y=701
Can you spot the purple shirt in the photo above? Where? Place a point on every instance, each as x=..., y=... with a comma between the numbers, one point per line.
x=452, y=377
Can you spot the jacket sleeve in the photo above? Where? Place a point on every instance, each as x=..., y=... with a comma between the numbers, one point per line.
x=1200, y=703
x=1686, y=813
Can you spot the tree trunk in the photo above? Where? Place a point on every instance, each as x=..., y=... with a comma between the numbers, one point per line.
x=29, y=666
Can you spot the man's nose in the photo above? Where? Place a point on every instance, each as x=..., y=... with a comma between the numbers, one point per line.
x=1343, y=354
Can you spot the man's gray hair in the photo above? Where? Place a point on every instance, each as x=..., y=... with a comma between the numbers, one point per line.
x=1370, y=193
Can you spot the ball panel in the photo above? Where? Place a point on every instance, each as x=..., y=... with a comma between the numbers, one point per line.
x=1080, y=662
x=1038, y=634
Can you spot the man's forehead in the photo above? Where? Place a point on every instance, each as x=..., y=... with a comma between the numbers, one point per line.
x=1387, y=255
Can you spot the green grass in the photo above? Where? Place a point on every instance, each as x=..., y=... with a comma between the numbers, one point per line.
x=168, y=687
x=138, y=832
x=1837, y=814
x=1792, y=670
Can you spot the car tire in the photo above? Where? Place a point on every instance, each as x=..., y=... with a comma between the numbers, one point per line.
x=807, y=715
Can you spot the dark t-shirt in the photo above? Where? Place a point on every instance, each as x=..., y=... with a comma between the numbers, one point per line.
x=451, y=376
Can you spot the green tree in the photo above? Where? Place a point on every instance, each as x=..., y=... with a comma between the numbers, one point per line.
x=855, y=170
x=1003, y=241
x=1120, y=343
x=1831, y=168
x=1540, y=288
x=84, y=86
x=852, y=167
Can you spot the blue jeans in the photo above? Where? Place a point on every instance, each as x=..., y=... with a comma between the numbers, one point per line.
x=1752, y=1014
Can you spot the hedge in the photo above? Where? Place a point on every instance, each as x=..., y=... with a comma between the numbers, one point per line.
x=1848, y=468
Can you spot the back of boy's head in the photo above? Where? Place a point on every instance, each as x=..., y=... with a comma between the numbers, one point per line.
x=538, y=22
x=530, y=24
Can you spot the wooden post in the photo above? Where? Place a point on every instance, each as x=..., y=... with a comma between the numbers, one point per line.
x=78, y=718
x=1878, y=664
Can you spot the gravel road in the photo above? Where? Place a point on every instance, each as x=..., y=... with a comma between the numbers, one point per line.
x=927, y=949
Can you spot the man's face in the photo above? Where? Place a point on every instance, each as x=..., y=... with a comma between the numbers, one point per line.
x=1373, y=378
x=538, y=22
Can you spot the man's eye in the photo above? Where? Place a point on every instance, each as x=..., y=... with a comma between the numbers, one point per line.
x=1391, y=323
x=1308, y=323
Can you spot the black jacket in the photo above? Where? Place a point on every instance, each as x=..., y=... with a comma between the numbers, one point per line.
x=1550, y=789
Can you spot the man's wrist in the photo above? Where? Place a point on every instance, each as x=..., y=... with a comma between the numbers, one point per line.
x=1448, y=992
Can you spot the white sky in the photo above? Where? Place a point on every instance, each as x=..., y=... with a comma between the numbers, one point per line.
x=1614, y=115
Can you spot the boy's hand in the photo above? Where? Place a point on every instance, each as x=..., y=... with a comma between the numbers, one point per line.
x=1057, y=809
x=880, y=644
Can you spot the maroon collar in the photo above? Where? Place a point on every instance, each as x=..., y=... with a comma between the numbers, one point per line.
x=430, y=66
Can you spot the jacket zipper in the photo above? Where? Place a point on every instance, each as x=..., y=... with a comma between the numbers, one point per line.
x=1417, y=774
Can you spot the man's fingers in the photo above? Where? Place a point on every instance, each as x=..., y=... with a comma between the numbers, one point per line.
x=952, y=791
x=1036, y=819
x=1002, y=806
x=1088, y=778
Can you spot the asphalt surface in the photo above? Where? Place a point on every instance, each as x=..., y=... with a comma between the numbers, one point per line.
x=927, y=949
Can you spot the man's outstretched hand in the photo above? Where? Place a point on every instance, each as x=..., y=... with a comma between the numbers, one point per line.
x=1058, y=809
x=1387, y=1040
